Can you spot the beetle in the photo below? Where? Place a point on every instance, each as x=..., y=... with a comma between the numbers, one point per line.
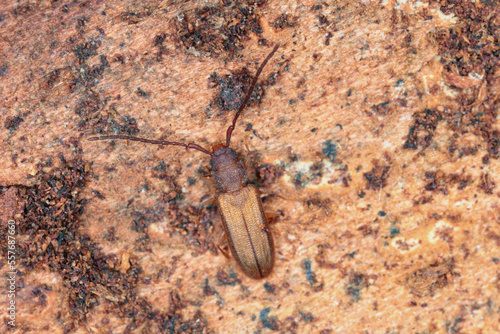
x=244, y=221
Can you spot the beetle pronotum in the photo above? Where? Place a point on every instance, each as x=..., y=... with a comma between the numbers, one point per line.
x=245, y=224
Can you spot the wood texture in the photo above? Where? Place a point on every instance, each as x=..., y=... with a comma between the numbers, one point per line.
x=377, y=120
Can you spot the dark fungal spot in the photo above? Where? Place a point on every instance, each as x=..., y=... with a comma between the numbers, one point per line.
x=12, y=123
x=270, y=288
x=90, y=109
x=354, y=285
x=268, y=173
x=216, y=30
x=307, y=317
x=377, y=178
x=3, y=69
x=422, y=130
x=268, y=322
x=136, y=15
x=142, y=93
x=311, y=276
x=438, y=181
x=394, y=231
x=284, y=21
x=486, y=184
x=227, y=279
x=231, y=90
x=86, y=50
x=330, y=150
x=382, y=108
x=159, y=39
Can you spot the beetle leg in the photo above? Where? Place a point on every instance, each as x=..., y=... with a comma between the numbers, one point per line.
x=272, y=215
x=246, y=161
x=209, y=201
x=222, y=236
x=245, y=142
x=208, y=178
x=266, y=192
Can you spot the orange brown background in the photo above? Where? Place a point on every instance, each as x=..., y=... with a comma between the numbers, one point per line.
x=376, y=120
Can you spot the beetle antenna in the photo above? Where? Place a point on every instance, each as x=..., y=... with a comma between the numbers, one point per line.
x=156, y=142
x=247, y=97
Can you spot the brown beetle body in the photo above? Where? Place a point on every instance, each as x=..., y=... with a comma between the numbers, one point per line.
x=244, y=221
x=245, y=224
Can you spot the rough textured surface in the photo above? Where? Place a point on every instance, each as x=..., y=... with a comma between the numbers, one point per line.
x=377, y=120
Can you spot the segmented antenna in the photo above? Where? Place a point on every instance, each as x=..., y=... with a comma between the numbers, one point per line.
x=156, y=142
x=247, y=97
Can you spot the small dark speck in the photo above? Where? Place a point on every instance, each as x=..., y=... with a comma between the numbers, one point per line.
x=330, y=150
x=354, y=286
x=191, y=181
x=349, y=92
x=268, y=322
x=351, y=255
x=201, y=171
x=310, y=276
x=141, y=92
x=159, y=39
x=98, y=194
x=488, y=2
x=399, y=82
x=80, y=22
x=3, y=68
x=104, y=60
x=394, y=231
x=339, y=125
x=161, y=167
x=103, y=13
x=495, y=260
x=228, y=279
x=292, y=101
x=382, y=214
x=12, y=123
x=270, y=288
x=307, y=316
x=314, y=129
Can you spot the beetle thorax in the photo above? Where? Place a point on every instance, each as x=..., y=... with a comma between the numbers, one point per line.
x=228, y=172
